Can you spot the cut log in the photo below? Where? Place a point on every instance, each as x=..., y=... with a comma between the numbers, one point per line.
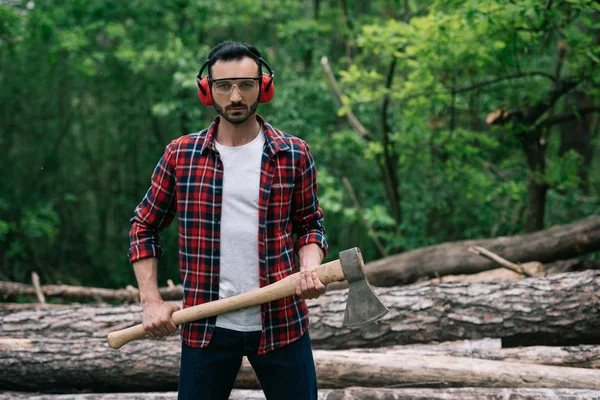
x=459, y=394
x=560, y=309
x=571, y=265
x=79, y=364
x=358, y=393
x=236, y=394
x=12, y=290
x=559, y=242
x=533, y=268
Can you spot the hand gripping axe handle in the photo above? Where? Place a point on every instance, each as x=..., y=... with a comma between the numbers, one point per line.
x=362, y=305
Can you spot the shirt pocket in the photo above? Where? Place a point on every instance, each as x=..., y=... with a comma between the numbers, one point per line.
x=280, y=203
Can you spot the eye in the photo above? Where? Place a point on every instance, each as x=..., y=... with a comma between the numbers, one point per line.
x=246, y=85
x=223, y=86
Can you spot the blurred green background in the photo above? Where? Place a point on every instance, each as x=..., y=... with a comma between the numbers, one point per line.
x=480, y=118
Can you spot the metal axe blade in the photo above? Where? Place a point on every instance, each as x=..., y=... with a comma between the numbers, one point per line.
x=363, y=305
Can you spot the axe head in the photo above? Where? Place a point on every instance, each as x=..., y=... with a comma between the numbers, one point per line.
x=362, y=305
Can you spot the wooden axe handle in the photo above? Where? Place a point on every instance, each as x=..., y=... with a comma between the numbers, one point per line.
x=327, y=273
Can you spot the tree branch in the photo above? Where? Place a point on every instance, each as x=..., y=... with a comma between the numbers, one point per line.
x=559, y=119
x=389, y=155
x=354, y=122
x=505, y=78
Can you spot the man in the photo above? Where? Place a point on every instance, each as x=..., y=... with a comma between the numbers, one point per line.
x=246, y=199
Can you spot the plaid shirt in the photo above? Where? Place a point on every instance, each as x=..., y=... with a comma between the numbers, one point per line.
x=188, y=181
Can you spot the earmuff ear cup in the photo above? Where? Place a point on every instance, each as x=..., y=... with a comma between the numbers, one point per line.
x=204, y=93
x=267, y=89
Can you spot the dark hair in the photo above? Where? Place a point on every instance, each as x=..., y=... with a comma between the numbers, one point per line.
x=230, y=50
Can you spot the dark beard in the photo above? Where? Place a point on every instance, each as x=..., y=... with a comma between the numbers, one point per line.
x=239, y=119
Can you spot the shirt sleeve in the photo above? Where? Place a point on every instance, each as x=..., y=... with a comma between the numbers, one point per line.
x=307, y=218
x=155, y=212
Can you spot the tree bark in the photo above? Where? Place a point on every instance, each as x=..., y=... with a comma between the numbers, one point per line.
x=458, y=394
x=358, y=393
x=533, y=268
x=559, y=309
x=559, y=242
x=12, y=290
x=76, y=364
x=236, y=394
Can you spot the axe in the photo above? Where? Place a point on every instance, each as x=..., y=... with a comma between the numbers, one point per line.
x=362, y=305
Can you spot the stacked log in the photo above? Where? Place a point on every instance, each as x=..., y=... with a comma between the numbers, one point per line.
x=560, y=309
x=560, y=242
x=434, y=344
x=353, y=393
x=549, y=251
x=89, y=364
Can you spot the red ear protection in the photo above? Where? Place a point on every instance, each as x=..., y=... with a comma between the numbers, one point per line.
x=204, y=93
x=267, y=88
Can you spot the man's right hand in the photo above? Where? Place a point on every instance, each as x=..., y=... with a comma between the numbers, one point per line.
x=156, y=318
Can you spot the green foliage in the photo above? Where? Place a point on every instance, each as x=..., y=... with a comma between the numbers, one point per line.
x=94, y=91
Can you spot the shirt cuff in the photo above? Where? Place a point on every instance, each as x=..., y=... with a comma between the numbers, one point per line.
x=313, y=237
x=141, y=251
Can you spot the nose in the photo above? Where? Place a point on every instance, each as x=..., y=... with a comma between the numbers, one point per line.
x=235, y=95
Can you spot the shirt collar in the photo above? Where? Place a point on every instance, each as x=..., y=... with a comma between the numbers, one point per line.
x=274, y=138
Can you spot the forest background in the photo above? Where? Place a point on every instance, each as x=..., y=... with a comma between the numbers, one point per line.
x=454, y=119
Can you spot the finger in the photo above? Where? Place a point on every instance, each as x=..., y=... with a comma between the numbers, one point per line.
x=149, y=330
x=310, y=287
x=318, y=284
x=163, y=328
x=309, y=292
x=171, y=326
x=156, y=329
x=304, y=284
x=298, y=285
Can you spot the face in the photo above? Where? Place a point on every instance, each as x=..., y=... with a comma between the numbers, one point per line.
x=242, y=100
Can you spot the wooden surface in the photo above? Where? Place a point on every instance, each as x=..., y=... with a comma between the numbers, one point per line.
x=89, y=364
x=560, y=309
x=559, y=242
x=347, y=394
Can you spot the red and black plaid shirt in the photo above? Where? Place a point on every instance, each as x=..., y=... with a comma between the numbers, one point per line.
x=188, y=181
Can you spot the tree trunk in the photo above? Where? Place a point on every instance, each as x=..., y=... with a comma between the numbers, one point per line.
x=577, y=135
x=76, y=364
x=559, y=242
x=559, y=309
x=536, y=205
x=356, y=393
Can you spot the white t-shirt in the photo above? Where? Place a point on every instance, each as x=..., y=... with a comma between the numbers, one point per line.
x=239, y=230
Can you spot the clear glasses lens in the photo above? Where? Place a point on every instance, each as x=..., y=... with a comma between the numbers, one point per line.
x=244, y=86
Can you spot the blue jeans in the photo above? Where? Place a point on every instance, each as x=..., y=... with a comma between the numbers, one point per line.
x=209, y=373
